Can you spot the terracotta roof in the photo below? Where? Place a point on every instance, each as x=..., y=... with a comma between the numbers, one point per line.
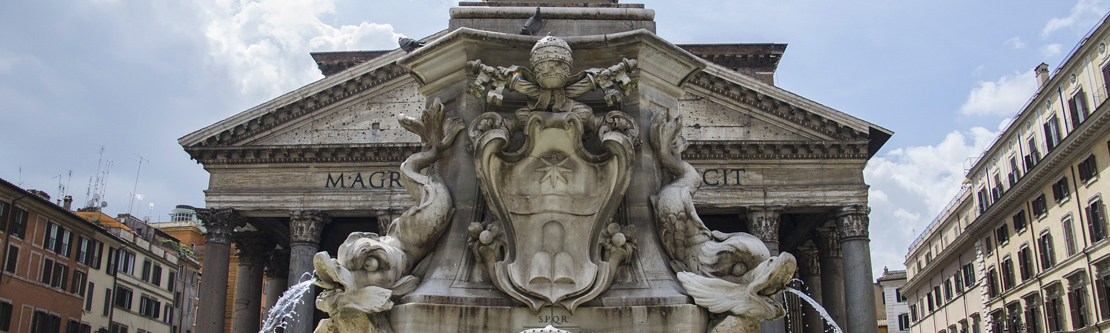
x=893, y=275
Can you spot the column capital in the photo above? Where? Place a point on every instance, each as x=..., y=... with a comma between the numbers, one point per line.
x=763, y=222
x=219, y=223
x=809, y=261
x=277, y=265
x=828, y=242
x=853, y=221
x=305, y=225
x=254, y=247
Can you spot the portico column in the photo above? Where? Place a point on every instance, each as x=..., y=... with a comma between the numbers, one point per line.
x=219, y=223
x=832, y=273
x=763, y=222
x=809, y=269
x=254, y=248
x=277, y=275
x=859, y=292
x=304, y=239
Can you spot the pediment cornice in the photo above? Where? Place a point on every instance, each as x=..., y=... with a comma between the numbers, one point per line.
x=827, y=123
x=775, y=150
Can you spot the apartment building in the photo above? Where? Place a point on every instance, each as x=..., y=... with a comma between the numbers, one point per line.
x=1023, y=247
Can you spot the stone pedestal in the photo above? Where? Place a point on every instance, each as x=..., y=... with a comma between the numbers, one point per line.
x=420, y=317
x=304, y=238
x=832, y=274
x=859, y=292
x=809, y=269
x=763, y=222
x=219, y=222
x=254, y=248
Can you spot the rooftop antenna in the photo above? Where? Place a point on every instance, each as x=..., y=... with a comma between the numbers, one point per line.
x=149, y=213
x=92, y=189
x=20, y=176
x=136, y=188
x=104, y=184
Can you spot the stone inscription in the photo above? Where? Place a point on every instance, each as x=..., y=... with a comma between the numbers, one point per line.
x=359, y=180
x=722, y=177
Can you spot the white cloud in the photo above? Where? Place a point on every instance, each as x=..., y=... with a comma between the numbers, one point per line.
x=265, y=44
x=1052, y=50
x=1083, y=15
x=909, y=187
x=1003, y=97
x=1014, y=42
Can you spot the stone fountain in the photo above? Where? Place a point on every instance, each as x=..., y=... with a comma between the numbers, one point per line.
x=550, y=199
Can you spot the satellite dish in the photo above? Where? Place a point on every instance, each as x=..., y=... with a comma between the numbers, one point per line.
x=94, y=200
x=103, y=204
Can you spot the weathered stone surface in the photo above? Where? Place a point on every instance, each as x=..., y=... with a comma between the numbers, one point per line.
x=422, y=317
x=372, y=119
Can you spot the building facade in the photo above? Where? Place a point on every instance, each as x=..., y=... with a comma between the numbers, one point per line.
x=1023, y=246
x=304, y=170
x=895, y=304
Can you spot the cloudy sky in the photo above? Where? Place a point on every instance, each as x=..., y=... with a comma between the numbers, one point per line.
x=132, y=76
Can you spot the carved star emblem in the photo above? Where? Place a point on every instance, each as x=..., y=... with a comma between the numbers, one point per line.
x=553, y=171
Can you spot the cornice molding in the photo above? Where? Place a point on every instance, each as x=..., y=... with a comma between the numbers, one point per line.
x=1068, y=150
x=775, y=150
x=771, y=105
x=330, y=153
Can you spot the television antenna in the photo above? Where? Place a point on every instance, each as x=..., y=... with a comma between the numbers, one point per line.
x=136, y=188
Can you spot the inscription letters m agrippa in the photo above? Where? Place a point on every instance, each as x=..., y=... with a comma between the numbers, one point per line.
x=372, y=180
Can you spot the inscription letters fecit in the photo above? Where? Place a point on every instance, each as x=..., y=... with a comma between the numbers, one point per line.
x=376, y=179
x=721, y=177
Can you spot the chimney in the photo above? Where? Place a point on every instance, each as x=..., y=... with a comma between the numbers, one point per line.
x=1042, y=75
x=67, y=202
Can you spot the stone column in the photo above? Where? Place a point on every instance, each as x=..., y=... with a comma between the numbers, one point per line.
x=304, y=240
x=859, y=290
x=809, y=269
x=254, y=248
x=832, y=273
x=219, y=223
x=277, y=277
x=763, y=222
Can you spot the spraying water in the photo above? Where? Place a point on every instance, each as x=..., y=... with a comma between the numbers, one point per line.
x=820, y=309
x=283, y=310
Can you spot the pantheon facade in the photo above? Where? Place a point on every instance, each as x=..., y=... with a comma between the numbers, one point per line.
x=297, y=174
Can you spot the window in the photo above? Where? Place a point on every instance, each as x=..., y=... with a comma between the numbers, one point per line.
x=1078, y=107
x=1060, y=190
x=984, y=200
x=996, y=192
x=1013, y=318
x=988, y=245
x=156, y=276
x=1032, y=311
x=1040, y=207
x=123, y=298
x=89, y=297
x=171, y=281
x=947, y=289
x=998, y=321
x=992, y=283
x=1025, y=263
x=63, y=243
x=937, y=296
x=83, y=251
x=117, y=328
x=1007, y=274
x=1002, y=234
x=929, y=300
x=61, y=276
x=1102, y=290
x=18, y=228
x=1020, y=221
x=969, y=274
x=1077, y=299
x=97, y=249
x=1015, y=173
x=13, y=259
x=1088, y=170
x=78, y=285
x=107, y=301
x=898, y=297
x=5, y=315
x=1048, y=255
x=1034, y=156
x=913, y=312
x=1069, y=237
x=146, y=270
x=47, y=271
x=50, y=239
x=1052, y=132
x=1096, y=220
x=149, y=307
x=167, y=314
x=957, y=280
x=904, y=322
x=126, y=262
x=42, y=322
